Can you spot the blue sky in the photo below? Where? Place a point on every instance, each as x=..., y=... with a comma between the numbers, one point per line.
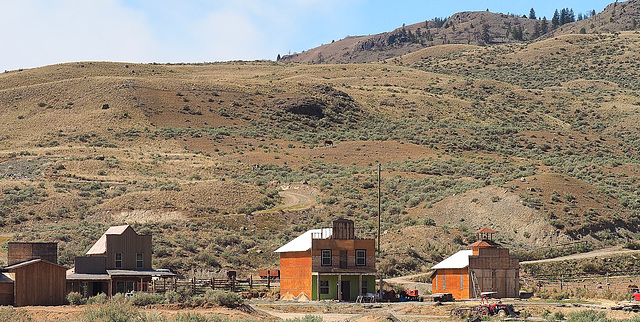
x=43, y=32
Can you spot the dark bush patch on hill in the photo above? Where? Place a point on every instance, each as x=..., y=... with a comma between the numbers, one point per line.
x=305, y=106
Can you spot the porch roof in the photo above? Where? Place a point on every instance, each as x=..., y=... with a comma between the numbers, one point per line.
x=88, y=277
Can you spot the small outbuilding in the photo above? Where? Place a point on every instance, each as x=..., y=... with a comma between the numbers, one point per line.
x=30, y=278
x=486, y=267
x=38, y=282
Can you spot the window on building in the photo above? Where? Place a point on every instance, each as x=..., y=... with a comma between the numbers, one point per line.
x=444, y=282
x=118, y=257
x=361, y=257
x=364, y=287
x=461, y=282
x=326, y=257
x=324, y=287
x=139, y=260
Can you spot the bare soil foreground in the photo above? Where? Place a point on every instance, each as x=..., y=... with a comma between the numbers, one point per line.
x=531, y=310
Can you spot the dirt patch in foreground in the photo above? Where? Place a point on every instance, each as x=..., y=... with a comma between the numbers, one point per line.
x=74, y=312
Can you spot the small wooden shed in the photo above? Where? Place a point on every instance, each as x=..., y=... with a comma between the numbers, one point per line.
x=37, y=282
x=6, y=290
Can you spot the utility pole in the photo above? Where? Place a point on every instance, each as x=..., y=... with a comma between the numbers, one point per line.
x=379, y=223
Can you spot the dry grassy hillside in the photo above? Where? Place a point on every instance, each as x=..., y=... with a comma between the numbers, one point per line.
x=480, y=28
x=539, y=142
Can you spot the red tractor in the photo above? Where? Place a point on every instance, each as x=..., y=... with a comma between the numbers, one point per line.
x=486, y=309
x=411, y=295
x=497, y=308
x=500, y=309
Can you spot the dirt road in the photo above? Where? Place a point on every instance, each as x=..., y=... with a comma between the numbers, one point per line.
x=617, y=250
x=294, y=197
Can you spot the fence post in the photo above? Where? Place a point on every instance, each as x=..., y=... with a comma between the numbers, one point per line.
x=193, y=283
x=607, y=281
x=269, y=279
x=213, y=283
x=250, y=282
x=561, y=282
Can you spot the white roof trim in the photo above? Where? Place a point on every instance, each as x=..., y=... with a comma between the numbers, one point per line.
x=457, y=260
x=302, y=243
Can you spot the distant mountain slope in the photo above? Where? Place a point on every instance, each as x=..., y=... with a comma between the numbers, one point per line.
x=618, y=16
x=470, y=28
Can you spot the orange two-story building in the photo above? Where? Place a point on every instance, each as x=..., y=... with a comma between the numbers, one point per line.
x=328, y=263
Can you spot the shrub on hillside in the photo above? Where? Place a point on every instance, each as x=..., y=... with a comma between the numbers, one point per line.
x=588, y=316
x=632, y=244
x=114, y=310
x=144, y=299
x=75, y=298
x=98, y=299
x=11, y=314
x=172, y=297
x=223, y=298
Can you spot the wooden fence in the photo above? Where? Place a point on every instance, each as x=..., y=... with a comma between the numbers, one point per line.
x=199, y=286
x=614, y=281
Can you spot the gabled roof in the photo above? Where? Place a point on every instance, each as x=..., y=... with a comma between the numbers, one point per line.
x=484, y=243
x=457, y=260
x=100, y=247
x=302, y=243
x=6, y=278
x=29, y=262
x=486, y=230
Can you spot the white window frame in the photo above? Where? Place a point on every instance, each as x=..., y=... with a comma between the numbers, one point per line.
x=361, y=257
x=326, y=257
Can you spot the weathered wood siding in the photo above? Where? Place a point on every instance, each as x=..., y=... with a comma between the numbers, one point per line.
x=343, y=245
x=90, y=265
x=454, y=281
x=18, y=252
x=506, y=283
x=40, y=283
x=129, y=243
x=496, y=271
x=295, y=273
x=6, y=293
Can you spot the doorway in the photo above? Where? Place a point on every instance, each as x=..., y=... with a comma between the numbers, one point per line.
x=345, y=290
x=96, y=288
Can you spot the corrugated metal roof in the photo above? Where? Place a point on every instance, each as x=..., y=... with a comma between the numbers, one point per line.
x=457, y=260
x=302, y=243
x=100, y=247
